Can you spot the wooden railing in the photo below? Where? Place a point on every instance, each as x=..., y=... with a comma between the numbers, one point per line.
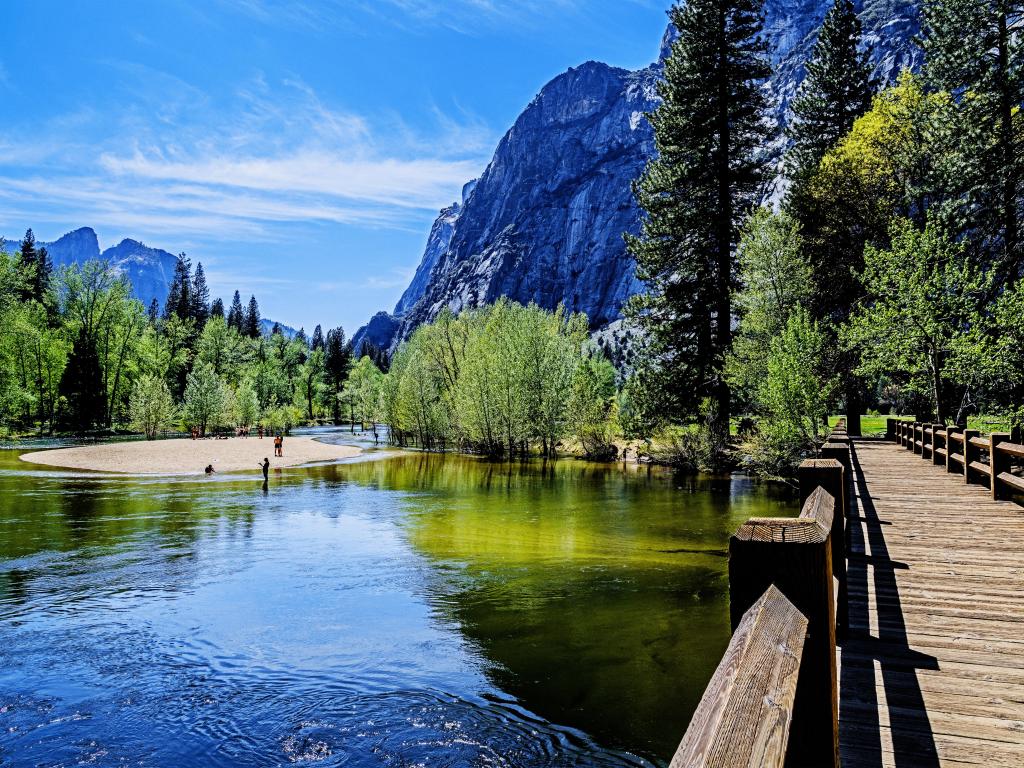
x=774, y=699
x=986, y=461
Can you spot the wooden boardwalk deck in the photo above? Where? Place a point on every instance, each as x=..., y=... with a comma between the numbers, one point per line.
x=932, y=672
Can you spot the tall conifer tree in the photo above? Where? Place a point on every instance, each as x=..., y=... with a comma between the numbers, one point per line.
x=217, y=308
x=251, y=325
x=200, y=298
x=708, y=173
x=973, y=50
x=837, y=90
x=236, y=315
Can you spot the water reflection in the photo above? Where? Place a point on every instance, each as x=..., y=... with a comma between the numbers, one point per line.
x=412, y=610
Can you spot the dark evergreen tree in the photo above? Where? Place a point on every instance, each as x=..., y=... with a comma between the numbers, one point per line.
x=318, y=339
x=44, y=272
x=276, y=329
x=154, y=311
x=236, y=315
x=376, y=354
x=251, y=325
x=217, y=308
x=337, y=361
x=37, y=266
x=708, y=173
x=301, y=337
x=179, y=295
x=836, y=91
x=82, y=385
x=973, y=50
x=200, y=298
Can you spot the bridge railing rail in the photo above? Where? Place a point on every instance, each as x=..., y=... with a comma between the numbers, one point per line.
x=774, y=698
x=986, y=461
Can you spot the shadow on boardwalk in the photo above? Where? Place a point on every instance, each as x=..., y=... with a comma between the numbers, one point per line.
x=908, y=739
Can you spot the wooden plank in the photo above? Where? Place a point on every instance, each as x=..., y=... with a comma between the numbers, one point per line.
x=744, y=716
x=932, y=672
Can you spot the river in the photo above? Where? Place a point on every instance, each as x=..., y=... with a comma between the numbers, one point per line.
x=404, y=610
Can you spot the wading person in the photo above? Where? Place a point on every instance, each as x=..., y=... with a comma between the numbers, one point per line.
x=266, y=469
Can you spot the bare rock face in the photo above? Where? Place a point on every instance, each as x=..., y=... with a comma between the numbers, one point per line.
x=149, y=270
x=545, y=221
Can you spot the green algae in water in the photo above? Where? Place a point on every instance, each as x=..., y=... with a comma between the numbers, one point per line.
x=578, y=607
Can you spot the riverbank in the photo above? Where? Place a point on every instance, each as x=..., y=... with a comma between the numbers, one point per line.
x=190, y=457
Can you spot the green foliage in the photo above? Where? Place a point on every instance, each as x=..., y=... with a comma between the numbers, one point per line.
x=706, y=176
x=205, y=399
x=972, y=49
x=775, y=279
x=924, y=298
x=151, y=406
x=495, y=380
x=836, y=91
x=794, y=396
x=592, y=407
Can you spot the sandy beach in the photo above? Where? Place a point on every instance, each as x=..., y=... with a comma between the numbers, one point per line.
x=190, y=457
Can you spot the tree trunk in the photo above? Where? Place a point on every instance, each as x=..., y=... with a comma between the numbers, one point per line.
x=940, y=411
x=1006, y=147
x=723, y=303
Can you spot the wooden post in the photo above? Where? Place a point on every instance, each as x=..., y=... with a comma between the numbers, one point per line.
x=795, y=554
x=890, y=430
x=831, y=474
x=744, y=716
x=999, y=462
x=971, y=452
x=939, y=441
x=953, y=445
x=927, y=440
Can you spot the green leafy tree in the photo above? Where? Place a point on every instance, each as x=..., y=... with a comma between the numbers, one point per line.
x=204, y=399
x=924, y=297
x=793, y=398
x=775, y=279
x=708, y=130
x=151, y=406
x=591, y=407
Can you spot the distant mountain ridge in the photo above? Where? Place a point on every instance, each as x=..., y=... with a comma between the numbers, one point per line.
x=545, y=220
x=149, y=270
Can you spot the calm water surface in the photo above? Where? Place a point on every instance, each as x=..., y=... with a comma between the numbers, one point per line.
x=411, y=610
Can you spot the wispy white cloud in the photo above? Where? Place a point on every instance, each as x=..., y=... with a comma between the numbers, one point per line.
x=464, y=16
x=276, y=154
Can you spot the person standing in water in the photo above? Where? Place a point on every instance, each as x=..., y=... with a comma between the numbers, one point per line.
x=266, y=468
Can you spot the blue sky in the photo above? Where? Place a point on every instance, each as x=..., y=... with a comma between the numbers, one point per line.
x=299, y=149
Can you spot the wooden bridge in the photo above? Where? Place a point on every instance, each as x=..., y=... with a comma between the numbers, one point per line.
x=885, y=625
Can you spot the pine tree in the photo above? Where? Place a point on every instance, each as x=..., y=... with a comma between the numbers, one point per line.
x=41, y=282
x=707, y=175
x=179, y=295
x=337, y=360
x=318, y=338
x=217, y=308
x=836, y=91
x=973, y=50
x=29, y=261
x=200, y=298
x=302, y=338
x=251, y=324
x=154, y=310
x=236, y=315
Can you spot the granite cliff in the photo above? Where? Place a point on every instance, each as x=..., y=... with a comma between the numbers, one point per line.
x=544, y=222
